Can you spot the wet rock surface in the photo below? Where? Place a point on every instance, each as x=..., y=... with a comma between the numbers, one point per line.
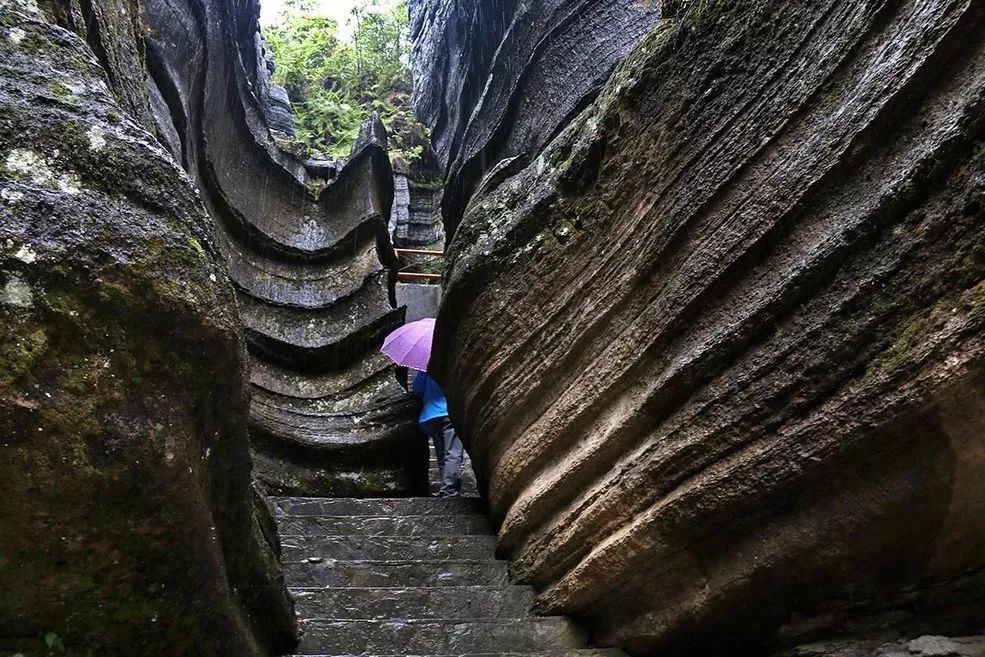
x=924, y=646
x=127, y=518
x=542, y=62
x=307, y=249
x=410, y=576
x=273, y=98
x=716, y=349
x=415, y=221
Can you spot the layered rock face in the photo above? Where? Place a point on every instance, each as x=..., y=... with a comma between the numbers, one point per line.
x=415, y=221
x=717, y=350
x=307, y=249
x=542, y=61
x=127, y=518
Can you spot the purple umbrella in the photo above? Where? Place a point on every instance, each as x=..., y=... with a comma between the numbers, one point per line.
x=410, y=345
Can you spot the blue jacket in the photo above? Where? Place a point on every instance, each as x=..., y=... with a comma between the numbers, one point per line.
x=427, y=389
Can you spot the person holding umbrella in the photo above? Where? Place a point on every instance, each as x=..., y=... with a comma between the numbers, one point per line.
x=410, y=346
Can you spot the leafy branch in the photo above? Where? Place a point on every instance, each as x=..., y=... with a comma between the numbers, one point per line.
x=335, y=82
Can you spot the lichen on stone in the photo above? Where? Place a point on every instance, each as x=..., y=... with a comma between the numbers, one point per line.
x=97, y=138
x=27, y=165
x=17, y=292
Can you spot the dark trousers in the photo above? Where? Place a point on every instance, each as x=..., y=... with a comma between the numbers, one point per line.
x=449, y=449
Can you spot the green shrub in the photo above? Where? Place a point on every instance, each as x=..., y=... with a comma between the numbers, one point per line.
x=334, y=83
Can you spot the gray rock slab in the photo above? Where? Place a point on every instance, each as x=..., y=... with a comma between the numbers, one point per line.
x=396, y=573
x=322, y=506
x=460, y=603
x=438, y=637
x=299, y=548
x=411, y=525
x=421, y=300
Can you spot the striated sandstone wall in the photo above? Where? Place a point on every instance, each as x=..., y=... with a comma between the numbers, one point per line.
x=497, y=80
x=307, y=249
x=717, y=350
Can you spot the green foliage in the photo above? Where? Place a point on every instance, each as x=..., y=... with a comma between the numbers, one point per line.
x=334, y=83
x=53, y=641
x=195, y=244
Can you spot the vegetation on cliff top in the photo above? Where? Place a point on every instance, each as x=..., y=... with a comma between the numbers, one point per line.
x=334, y=81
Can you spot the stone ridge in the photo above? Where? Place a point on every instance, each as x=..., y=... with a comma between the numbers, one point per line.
x=307, y=250
x=415, y=221
x=409, y=576
x=717, y=349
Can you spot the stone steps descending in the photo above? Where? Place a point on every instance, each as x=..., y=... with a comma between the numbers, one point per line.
x=402, y=506
x=449, y=602
x=383, y=548
x=573, y=652
x=396, y=573
x=414, y=576
x=435, y=637
x=411, y=525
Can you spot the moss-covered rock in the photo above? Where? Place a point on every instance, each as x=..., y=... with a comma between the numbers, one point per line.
x=127, y=520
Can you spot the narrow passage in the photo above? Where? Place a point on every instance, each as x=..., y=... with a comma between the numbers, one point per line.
x=411, y=576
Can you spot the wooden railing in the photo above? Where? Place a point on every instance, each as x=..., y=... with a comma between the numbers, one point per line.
x=410, y=275
x=423, y=252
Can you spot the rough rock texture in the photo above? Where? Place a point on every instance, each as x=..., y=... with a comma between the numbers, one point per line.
x=307, y=250
x=542, y=61
x=717, y=351
x=923, y=646
x=127, y=518
x=410, y=576
x=273, y=98
x=415, y=221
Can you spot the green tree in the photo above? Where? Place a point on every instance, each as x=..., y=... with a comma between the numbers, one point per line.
x=334, y=83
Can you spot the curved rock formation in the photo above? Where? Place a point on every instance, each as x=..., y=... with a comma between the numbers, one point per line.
x=542, y=61
x=308, y=251
x=717, y=350
x=415, y=222
x=127, y=518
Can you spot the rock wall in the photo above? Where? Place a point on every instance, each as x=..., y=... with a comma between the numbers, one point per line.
x=308, y=252
x=716, y=349
x=415, y=222
x=542, y=61
x=127, y=518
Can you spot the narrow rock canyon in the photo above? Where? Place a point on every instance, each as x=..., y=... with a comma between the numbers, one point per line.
x=714, y=337
x=712, y=329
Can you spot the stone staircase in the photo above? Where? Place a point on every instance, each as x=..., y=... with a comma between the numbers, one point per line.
x=414, y=576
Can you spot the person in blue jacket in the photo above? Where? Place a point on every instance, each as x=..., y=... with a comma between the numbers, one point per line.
x=435, y=422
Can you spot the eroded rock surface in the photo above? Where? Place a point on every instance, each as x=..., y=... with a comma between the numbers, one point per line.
x=923, y=646
x=717, y=350
x=415, y=221
x=542, y=61
x=307, y=249
x=127, y=518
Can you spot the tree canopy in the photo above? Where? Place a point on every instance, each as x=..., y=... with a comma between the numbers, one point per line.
x=335, y=82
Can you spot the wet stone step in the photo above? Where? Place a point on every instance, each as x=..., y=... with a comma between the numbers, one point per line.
x=435, y=637
x=570, y=652
x=458, y=603
x=413, y=525
x=369, y=574
x=409, y=506
x=475, y=546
